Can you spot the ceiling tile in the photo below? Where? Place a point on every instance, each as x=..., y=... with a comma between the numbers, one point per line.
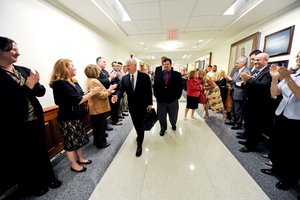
x=174, y=23
x=143, y=10
x=174, y=8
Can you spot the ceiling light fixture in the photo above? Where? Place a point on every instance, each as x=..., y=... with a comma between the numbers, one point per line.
x=238, y=4
x=170, y=45
x=119, y=9
x=103, y=11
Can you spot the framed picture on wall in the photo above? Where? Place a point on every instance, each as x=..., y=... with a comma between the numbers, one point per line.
x=280, y=42
x=197, y=64
x=243, y=48
x=202, y=64
x=280, y=63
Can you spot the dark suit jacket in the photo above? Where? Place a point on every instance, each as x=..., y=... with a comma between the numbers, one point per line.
x=157, y=70
x=170, y=92
x=141, y=97
x=259, y=107
x=14, y=111
x=103, y=78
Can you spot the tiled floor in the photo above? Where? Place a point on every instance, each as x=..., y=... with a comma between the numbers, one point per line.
x=186, y=164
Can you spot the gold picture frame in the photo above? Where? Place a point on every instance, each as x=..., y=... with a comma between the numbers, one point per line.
x=243, y=47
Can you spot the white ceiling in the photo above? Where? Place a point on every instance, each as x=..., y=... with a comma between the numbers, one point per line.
x=193, y=20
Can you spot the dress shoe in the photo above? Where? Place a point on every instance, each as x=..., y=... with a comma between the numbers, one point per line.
x=281, y=185
x=103, y=146
x=236, y=128
x=162, y=132
x=265, y=155
x=55, y=184
x=124, y=115
x=269, y=163
x=138, y=151
x=117, y=124
x=174, y=127
x=241, y=133
x=109, y=128
x=84, y=163
x=268, y=172
x=230, y=123
x=245, y=149
x=40, y=192
x=242, y=142
x=241, y=137
x=82, y=170
x=121, y=117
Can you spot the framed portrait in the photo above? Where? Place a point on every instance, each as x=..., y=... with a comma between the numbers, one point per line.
x=280, y=42
x=202, y=64
x=243, y=48
x=280, y=63
x=197, y=64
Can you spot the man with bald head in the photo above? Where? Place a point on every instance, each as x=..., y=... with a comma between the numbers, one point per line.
x=259, y=109
x=137, y=86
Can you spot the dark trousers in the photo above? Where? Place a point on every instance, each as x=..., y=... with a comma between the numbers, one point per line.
x=115, y=111
x=137, y=119
x=99, y=125
x=36, y=171
x=164, y=109
x=285, y=148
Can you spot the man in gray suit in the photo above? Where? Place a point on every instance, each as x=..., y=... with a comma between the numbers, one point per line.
x=239, y=93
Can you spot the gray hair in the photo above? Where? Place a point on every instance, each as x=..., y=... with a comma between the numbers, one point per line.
x=132, y=61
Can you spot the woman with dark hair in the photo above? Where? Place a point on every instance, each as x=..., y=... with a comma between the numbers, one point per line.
x=23, y=144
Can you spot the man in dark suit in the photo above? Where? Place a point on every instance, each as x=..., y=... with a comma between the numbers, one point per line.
x=104, y=78
x=167, y=90
x=159, y=68
x=137, y=86
x=259, y=110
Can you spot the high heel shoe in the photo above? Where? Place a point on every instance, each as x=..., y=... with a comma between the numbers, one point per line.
x=82, y=170
x=84, y=163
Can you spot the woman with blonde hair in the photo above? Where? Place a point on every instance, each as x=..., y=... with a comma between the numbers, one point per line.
x=98, y=105
x=192, y=93
x=69, y=96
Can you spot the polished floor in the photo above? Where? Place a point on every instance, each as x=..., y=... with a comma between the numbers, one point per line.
x=186, y=164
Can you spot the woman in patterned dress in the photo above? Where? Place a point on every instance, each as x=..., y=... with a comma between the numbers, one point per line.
x=213, y=95
x=69, y=96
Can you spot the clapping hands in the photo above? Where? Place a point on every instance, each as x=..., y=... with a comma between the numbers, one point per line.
x=32, y=79
x=274, y=71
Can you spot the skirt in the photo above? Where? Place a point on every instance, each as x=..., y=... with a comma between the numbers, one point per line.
x=192, y=102
x=73, y=134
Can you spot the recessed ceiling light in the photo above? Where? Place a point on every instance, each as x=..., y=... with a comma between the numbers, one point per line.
x=200, y=40
x=170, y=45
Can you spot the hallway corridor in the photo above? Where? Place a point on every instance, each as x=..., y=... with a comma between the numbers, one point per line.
x=186, y=164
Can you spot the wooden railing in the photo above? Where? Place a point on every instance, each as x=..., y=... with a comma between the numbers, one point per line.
x=53, y=137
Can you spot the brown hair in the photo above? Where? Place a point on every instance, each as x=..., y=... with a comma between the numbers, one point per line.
x=92, y=71
x=192, y=74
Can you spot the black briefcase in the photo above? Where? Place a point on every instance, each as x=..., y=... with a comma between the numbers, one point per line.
x=150, y=118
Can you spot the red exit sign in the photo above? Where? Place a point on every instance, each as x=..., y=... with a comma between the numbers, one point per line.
x=172, y=35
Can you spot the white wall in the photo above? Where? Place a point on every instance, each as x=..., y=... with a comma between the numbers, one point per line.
x=44, y=35
x=220, y=54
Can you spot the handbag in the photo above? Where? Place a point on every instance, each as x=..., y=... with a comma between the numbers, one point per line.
x=150, y=118
x=202, y=98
